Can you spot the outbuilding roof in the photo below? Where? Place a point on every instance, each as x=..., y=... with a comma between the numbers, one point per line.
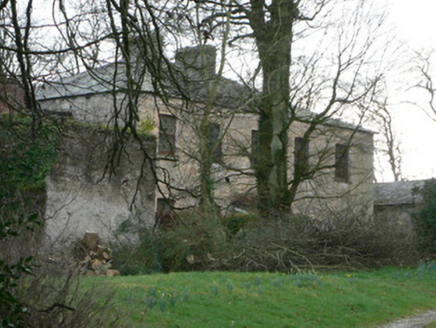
x=397, y=193
x=103, y=79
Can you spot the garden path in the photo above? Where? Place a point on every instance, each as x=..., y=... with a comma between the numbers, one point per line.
x=417, y=321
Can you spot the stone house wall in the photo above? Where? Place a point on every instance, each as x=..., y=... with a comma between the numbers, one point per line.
x=325, y=191
x=234, y=177
x=235, y=183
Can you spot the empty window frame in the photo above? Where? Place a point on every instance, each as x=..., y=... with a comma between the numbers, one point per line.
x=165, y=214
x=342, y=158
x=301, y=156
x=214, y=142
x=167, y=135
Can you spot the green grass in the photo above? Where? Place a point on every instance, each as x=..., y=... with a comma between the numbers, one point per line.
x=223, y=299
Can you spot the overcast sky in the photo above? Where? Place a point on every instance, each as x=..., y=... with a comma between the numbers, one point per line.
x=414, y=20
x=415, y=23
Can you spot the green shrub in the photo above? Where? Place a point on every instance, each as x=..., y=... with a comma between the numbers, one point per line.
x=27, y=153
x=192, y=243
x=237, y=222
x=143, y=258
x=146, y=126
x=425, y=217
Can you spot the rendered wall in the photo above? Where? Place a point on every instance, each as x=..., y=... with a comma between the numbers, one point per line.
x=82, y=196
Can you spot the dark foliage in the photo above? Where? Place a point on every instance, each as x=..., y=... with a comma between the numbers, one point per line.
x=32, y=293
x=425, y=217
x=13, y=312
x=26, y=155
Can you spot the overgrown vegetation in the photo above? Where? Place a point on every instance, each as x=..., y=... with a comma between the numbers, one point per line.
x=240, y=243
x=225, y=299
x=27, y=152
x=244, y=242
x=26, y=155
x=35, y=292
x=425, y=217
x=12, y=310
x=189, y=245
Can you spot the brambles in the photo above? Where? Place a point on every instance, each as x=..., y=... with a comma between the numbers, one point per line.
x=341, y=240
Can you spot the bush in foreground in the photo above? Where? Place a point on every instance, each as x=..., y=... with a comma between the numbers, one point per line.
x=342, y=240
x=31, y=294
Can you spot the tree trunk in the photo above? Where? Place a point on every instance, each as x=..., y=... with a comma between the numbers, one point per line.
x=207, y=202
x=273, y=40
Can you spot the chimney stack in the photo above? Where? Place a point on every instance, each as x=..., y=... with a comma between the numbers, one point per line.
x=197, y=62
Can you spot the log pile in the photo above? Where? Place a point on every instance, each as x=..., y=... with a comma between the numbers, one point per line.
x=95, y=259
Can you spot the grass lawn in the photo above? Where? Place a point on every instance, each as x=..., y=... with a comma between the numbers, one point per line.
x=227, y=299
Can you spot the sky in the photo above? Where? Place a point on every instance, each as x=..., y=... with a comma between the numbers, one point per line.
x=415, y=24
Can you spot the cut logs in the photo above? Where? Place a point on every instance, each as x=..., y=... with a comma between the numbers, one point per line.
x=94, y=257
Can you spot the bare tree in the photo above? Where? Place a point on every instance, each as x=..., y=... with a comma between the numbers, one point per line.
x=425, y=83
x=135, y=33
x=301, y=81
x=389, y=145
x=295, y=81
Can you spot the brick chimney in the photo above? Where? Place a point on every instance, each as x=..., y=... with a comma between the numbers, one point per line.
x=196, y=62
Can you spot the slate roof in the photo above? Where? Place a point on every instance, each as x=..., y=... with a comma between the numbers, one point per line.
x=396, y=193
x=229, y=93
x=101, y=80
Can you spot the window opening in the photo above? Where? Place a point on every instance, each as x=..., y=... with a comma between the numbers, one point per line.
x=301, y=156
x=342, y=163
x=167, y=135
